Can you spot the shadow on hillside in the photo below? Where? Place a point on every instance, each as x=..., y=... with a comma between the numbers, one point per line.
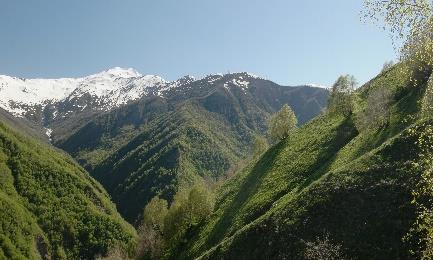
x=249, y=187
x=343, y=134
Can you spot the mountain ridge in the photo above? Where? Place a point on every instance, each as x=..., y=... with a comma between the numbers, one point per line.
x=44, y=100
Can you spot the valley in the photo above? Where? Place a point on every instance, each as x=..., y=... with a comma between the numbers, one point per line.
x=121, y=165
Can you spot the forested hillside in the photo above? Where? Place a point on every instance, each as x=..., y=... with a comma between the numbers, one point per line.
x=50, y=207
x=199, y=129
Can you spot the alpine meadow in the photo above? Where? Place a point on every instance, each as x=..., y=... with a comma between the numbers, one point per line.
x=121, y=165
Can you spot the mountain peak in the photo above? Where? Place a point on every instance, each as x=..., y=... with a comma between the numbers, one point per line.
x=243, y=74
x=186, y=79
x=118, y=72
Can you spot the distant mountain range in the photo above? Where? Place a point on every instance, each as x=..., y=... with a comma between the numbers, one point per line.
x=47, y=100
x=141, y=136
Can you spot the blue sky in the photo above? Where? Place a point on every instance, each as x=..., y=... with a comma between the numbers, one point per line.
x=290, y=42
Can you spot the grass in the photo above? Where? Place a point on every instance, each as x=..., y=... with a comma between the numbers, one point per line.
x=326, y=179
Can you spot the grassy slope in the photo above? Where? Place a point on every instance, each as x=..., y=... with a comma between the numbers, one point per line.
x=50, y=206
x=327, y=178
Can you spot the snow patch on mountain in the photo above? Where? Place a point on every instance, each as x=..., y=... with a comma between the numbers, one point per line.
x=316, y=86
x=102, y=91
x=113, y=87
x=48, y=132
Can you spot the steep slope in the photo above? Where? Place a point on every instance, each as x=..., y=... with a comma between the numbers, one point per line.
x=24, y=126
x=51, y=207
x=326, y=182
x=176, y=148
x=197, y=128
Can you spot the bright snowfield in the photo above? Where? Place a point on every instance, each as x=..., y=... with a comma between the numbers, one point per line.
x=110, y=88
x=116, y=86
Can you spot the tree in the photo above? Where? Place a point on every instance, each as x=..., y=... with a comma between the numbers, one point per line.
x=190, y=206
x=154, y=213
x=282, y=123
x=151, y=237
x=115, y=253
x=260, y=146
x=164, y=228
x=340, y=100
x=427, y=102
x=411, y=25
x=377, y=112
x=151, y=243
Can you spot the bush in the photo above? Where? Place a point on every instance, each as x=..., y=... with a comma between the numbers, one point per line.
x=377, y=112
x=323, y=249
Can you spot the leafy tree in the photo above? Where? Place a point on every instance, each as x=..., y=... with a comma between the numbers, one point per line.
x=411, y=25
x=427, y=102
x=189, y=208
x=154, y=213
x=115, y=253
x=164, y=228
x=260, y=146
x=423, y=193
x=151, y=243
x=340, y=100
x=377, y=112
x=282, y=123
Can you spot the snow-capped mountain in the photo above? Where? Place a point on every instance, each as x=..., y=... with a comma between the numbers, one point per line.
x=108, y=89
x=102, y=91
x=50, y=102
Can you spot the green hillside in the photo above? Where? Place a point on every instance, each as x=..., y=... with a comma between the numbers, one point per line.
x=327, y=182
x=176, y=148
x=50, y=207
x=200, y=129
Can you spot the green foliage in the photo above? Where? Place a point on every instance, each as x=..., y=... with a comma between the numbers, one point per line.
x=411, y=24
x=340, y=100
x=260, y=146
x=51, y=207
x=200, y=130
x=377, y=112
x=427, y=101
x=327, y=178
x=423, y=228
x=189, y=208
x=175, y=148
x=154, y=214
x=282, y=123
x=387, y=66
x=165, y=229
x=323, y=249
